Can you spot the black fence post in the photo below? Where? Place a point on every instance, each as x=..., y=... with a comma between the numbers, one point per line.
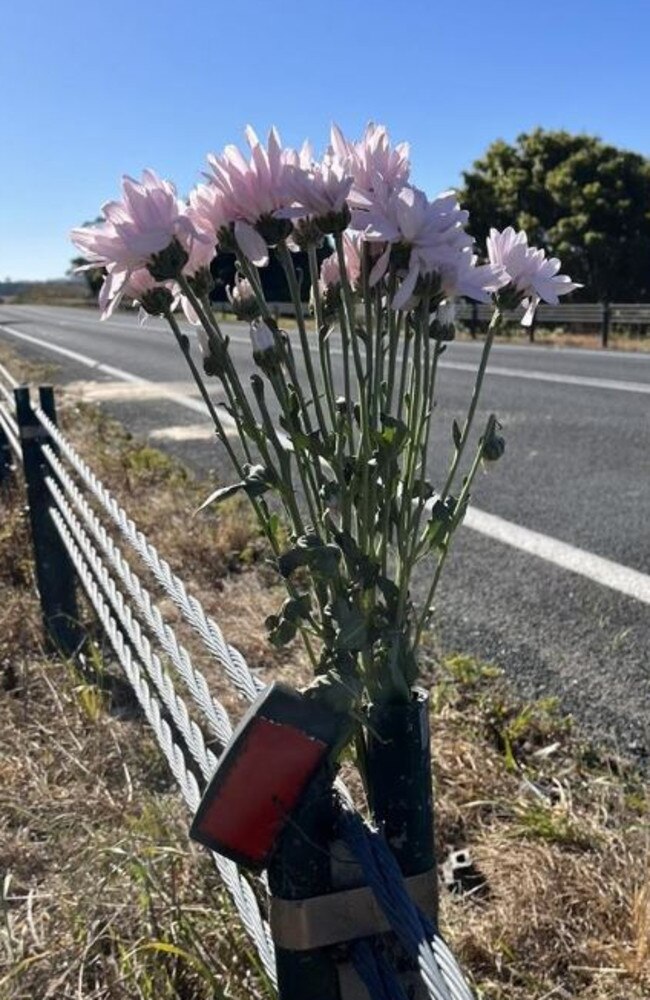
x=300, y=869
x=604, y=330
x=55, y=573
x=400, y=794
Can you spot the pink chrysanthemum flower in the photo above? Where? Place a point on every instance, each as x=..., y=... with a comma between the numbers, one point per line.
x=253, y=192
x=153, y=297
x=377, y=168
x=209, y=210
x=330, y=271
x=145, y=222
x=534, y=277
x=319, y=190
x=427, y=238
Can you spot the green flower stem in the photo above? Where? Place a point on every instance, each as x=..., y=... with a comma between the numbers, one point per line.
x=380, y=360
x=286, y=489
x=323, y=343
x=495, y=323
x=292, y=279
x=425, y=409
x=408, y=337
x=372, y=387
x=415, y=524
x=417, y=413
x=395, y=318
x=184, y=344
x=348, y=312
x=290, y=363
x=211, y=325
x=364, y=452
x=347, y=386
x=234, y=390
x=462, y=500
x=251, y=272
x=305, y=469
x=259, y=505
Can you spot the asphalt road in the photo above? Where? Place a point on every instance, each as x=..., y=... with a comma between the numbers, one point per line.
x=550, y=576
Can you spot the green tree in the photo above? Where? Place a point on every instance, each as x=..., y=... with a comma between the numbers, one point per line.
x=584, y=201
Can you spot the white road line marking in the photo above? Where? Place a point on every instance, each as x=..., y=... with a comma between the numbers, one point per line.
x=101, y=392
x=189, y=432
x=610, y=574
x=196, y=405
x=564, y=379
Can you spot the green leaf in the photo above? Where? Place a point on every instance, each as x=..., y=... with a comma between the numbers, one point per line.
x=352, y=635
x=258, y=481
x=422, y=489
x=363, y=570
x=297, y=608
x=281, y=631
x=390, y=592
x=223, y=493
x=391, y=439
x=441, y=519
x=282, y=628
x=310, y=551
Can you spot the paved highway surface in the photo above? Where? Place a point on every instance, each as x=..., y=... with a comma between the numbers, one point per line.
x=550, y=577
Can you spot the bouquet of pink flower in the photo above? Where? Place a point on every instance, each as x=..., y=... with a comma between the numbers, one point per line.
x=347, y=456
x=333, y=447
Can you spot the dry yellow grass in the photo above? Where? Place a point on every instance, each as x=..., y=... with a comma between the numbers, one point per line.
x=618, y=341
x=104, y=897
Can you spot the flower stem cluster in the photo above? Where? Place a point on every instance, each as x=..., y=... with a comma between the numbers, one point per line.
x=334, y=430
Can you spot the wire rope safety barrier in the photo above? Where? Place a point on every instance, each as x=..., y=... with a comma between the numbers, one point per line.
x=357, y=929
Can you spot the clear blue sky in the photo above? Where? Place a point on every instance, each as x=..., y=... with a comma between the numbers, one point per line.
x=92, y=90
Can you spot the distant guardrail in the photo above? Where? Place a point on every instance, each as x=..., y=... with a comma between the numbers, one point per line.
x=591, y=317
x=599, y=317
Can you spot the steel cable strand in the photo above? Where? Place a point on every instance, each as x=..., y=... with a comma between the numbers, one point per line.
x=163, y=683
x=241, y=892
x=376, y=973
x=8, y=395
x=211, y=708
x=11, y=429
x=438, y=968
x=233, y=662
x=8, y=377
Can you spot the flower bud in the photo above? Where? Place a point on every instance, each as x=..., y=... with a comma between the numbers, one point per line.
x=494, y=444
x=442, y=327
x=214, y=353
x=265, y=347
x=242, y=299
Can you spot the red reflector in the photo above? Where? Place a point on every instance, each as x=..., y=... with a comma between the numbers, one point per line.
x=259, y=790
